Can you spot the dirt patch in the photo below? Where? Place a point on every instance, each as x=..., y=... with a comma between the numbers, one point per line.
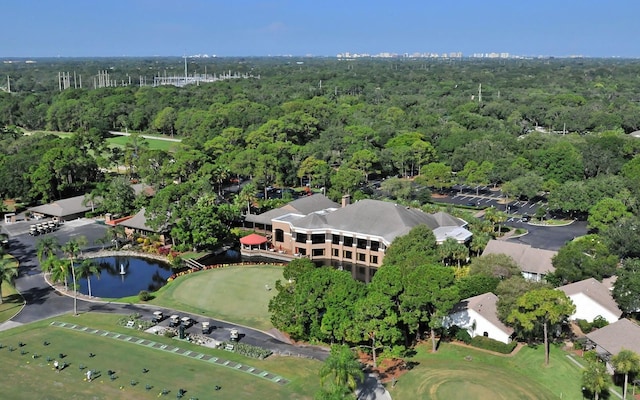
x=388, y=369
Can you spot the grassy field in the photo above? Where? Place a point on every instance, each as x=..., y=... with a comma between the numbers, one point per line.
x=235, y=294
x=456, y=372
x=154, y=144
x=25, y=377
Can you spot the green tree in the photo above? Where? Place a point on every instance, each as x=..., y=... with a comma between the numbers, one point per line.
x=46, y=248
x=8, y=273
x=417, y=247
x=71, y=250
x=585, y=257
x=363, y=160
x=541, y=306
x=165, y=121
x=437, y=175
x=499, y=266
x=606, y=212
x=595, y=377
x=87, y=269
x=473, y=285
x=626, y=289
x=626, y=362
x=342, y=368
x=376, y=322
x=247, y=196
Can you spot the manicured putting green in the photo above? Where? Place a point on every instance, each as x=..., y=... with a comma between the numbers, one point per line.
x=237, y=294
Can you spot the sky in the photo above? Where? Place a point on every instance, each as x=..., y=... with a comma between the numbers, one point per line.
x=99, y=28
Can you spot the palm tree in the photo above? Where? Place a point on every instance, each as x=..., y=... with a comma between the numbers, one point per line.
x=71, y=249
x=115, y=234
x=247, y=196
x=57, y=268
x=342, y=368
x=8, y=273
x=626, y=362
x=86, y=269
x=46, y=247
x=595, y=378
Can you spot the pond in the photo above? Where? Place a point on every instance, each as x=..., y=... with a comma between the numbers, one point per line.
x=122, y=276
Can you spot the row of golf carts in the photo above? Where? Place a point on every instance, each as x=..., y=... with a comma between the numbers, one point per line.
x=177, y=321
x=42, y=228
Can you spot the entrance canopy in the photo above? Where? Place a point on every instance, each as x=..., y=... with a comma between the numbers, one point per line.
x=253, y=240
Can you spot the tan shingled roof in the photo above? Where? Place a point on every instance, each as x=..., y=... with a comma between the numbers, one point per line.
x=529, y=259
x=596, y=291
x=622, y=334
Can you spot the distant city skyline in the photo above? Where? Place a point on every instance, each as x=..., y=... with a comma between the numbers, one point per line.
x=89, y=28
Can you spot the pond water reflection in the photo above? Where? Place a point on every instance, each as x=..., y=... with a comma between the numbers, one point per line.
x=122, y=276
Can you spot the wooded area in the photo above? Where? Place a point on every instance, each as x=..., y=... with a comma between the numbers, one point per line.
x=557, y=130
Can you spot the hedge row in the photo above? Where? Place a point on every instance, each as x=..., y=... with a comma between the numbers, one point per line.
x=248, y=350
x=493, y=345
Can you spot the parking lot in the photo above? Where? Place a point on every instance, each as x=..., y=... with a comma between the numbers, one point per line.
x=485, y=197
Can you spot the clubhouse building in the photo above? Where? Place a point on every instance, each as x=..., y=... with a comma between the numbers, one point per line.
x=353, y=237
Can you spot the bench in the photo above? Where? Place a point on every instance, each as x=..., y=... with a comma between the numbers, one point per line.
x=130, y=324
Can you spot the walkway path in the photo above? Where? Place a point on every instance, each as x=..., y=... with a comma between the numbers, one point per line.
x=147, y=136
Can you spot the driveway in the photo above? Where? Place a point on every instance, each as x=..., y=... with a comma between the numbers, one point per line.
x=549, y=237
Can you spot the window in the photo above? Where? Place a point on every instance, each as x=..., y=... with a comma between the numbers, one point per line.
x=375, y=245
x=348, y=241
x=336, y=253
x=373, y=259
x=302, y=251
x=361, y=270
x=347, y=254
x=317, y=252
x=301, y=237
x=317, y=238
x=362, y=243
x=279, y=235
x=372, y=272
x=362, y=257
x=335, y=239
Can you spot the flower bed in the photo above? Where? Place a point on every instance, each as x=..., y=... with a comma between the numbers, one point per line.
x=216, y=266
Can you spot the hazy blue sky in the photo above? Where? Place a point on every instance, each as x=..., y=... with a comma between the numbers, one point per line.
x=596, y=28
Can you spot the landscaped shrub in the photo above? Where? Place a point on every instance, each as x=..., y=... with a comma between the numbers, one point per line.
x=586, y=327
x=599, y=322
x=493, y=345
x=457, y=333
x=248, y=350
x=144, y=295
x=463, y=336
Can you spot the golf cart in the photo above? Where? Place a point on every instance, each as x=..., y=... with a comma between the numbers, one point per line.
x=234, y=334
x=157, y=316
x=186, y=321
x=174, y=320
x=205, y=327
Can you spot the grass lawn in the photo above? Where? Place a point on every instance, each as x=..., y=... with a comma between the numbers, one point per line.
x=23, y=377
x=235, y=294
x=446, y=375
x=154, y=144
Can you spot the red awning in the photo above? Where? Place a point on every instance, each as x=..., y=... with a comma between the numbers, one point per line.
x=253, y=240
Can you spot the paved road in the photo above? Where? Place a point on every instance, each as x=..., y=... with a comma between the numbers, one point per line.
x=147, y=136
x=549, y=237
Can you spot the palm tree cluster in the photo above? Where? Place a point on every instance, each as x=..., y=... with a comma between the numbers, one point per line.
x=59, y=270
